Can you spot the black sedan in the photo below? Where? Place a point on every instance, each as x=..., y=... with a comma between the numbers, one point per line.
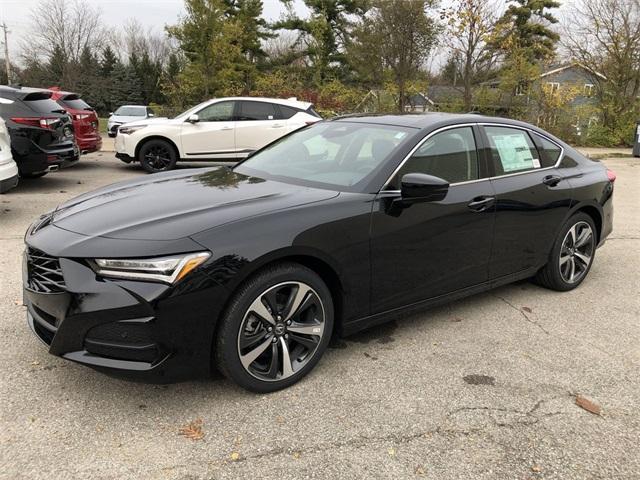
x=329, y=230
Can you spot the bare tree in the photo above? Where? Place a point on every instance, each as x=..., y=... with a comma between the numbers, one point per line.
x=138, y=41
x=469, y=22
x=69, y=28
x=70, y=25
x=604, y=36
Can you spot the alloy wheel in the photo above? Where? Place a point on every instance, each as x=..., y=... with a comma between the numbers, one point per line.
x=576, y=252
x=281, y=331
x=158, y=157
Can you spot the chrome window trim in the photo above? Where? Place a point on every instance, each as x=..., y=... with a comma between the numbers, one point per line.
x=483, y=124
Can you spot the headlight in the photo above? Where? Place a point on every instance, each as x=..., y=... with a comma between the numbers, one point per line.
x=129, y=130
x=165, y=269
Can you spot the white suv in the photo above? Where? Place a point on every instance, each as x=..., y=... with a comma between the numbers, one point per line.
x=226, y=129
x=8, y=167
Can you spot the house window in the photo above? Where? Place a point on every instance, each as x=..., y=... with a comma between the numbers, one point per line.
x=588, y=89
x=553, y=87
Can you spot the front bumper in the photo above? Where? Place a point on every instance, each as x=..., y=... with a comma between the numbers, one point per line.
x=139, y=330
x=125, y=145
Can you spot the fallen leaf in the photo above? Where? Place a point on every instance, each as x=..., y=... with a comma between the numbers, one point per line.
x=17, y=302
x=297, y=455
x=235, y=456
x=456, y=319
x=526, y=309
x=392, y=451
x=536, y=469
x=193, y=430
x=588, y=405
x=35, y=362
x=419, y=470
x=280, y=419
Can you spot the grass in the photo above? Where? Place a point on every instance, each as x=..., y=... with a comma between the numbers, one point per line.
x=103, y=125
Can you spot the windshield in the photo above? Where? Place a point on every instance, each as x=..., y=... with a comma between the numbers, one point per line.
x=131, y=112
x=339, y=155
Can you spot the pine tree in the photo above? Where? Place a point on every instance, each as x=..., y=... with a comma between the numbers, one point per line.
x=108, y=62
x=326, y=33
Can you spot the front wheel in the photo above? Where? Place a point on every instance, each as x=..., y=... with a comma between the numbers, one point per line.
x=157, y=156
x=276, y=329
x=572, y=255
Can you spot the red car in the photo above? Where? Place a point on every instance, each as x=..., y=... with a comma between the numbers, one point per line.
x=85, y=119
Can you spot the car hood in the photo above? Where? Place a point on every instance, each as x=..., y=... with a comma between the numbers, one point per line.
x=137, y=120
x=174, y=205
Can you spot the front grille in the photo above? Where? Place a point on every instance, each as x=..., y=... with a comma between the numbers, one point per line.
x=44, y=272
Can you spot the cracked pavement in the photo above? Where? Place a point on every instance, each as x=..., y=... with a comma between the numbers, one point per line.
x=481, y=388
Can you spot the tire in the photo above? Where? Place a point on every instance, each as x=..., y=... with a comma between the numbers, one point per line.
x=33, y=175
x=157, y=156
x=572, y=249
x=247, y=342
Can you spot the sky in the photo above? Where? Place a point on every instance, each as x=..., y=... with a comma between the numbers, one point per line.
x=150, y=13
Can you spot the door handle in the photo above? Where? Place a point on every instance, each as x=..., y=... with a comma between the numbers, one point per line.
x=279, y=125
x=226, y=128
x=552, y=180
x=480, y=204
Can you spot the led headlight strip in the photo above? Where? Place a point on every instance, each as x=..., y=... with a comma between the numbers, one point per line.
x=163, y=269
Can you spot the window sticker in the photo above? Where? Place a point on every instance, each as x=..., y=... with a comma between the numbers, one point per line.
x=514, y=152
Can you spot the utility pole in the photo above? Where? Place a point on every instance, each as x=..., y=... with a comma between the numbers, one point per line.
x=7, y=64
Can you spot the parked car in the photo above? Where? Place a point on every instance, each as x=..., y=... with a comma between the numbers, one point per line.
x=221, y=129
x=41, y=131
x=8, y=167
x=126, y=114
x=84, y=117
x=335, y=227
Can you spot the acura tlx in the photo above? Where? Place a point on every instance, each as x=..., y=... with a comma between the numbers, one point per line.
x=333, y=228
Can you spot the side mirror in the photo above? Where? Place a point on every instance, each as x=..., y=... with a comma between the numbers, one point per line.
x=419, y=186
x=151, y=115
x=111, y=114
x=193, y=118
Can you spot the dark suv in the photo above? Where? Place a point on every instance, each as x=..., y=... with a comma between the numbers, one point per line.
x=41, y=131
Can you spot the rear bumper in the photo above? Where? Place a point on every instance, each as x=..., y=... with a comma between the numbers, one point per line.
x=89, y=144
x=41, y=161
x=8, y=176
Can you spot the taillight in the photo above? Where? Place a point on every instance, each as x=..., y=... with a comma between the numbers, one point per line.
x=611, y=175
x=42, y=122
x=81, y=116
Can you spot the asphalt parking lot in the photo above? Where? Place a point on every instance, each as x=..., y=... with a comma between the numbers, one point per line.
x=481, y=388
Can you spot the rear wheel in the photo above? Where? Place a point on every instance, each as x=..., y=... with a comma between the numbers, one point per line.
x=157, y=156
x=276, y=329
x=572, y=255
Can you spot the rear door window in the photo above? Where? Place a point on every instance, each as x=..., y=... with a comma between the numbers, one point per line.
x=257, y=111
x=287, y=112
x=512, y=150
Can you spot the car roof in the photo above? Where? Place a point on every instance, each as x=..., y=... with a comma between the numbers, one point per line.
x=426, y=120
x=290, y=102
x=18, y=93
